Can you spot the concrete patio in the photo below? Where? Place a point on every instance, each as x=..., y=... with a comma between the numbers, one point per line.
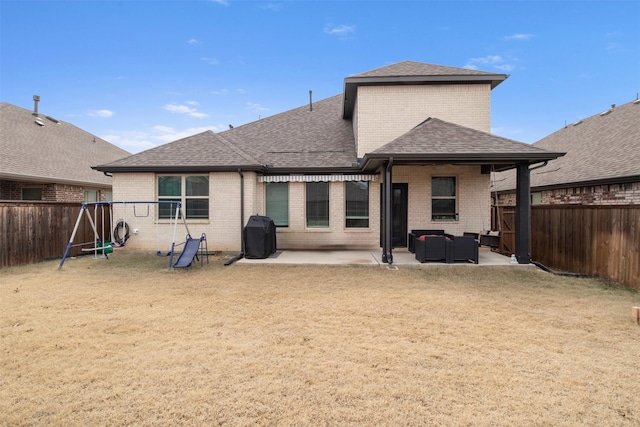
x=401, y=258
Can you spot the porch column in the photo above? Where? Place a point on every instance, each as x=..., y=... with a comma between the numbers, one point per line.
x=387, y=223
x=523, y=214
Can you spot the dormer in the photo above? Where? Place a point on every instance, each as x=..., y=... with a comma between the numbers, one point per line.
x=387, y=102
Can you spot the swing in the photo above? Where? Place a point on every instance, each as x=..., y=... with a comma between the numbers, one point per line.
x=159, y=252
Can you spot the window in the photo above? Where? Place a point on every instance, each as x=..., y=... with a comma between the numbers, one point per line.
x=357, y=204
x=277, y=202
x=443, y=198
x=32, y=193
x=191, y=190
x=317, y=204
x=91, y=196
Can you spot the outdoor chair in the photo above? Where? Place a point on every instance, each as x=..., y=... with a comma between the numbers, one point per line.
x=433, y=248
x=465, y=248
x=417, y=233
x=491, y=239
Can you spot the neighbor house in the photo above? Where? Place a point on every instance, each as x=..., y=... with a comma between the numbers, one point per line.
x=601, y=165
x=404, y=146
x=47, y=159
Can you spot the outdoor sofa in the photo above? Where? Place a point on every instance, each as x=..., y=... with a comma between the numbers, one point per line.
x=446, y=248
x=419, y=232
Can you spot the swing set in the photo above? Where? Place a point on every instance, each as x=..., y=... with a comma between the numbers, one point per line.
x=103, y=243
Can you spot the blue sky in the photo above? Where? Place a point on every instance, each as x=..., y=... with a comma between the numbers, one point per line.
x=143, y=73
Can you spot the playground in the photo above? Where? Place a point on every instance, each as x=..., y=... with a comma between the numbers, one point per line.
x=126, y=341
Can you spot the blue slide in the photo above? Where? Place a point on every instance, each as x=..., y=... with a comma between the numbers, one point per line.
x=190, y=251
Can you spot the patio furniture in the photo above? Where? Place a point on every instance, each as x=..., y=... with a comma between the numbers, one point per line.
x=417, y=233
x=433, y=248
x=491, y=239
x=464, y=248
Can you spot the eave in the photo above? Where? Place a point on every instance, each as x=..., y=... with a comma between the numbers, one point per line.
x=498, y=161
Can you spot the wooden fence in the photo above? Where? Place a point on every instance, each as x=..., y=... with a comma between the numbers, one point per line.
x=35, y=231
x=594, y=239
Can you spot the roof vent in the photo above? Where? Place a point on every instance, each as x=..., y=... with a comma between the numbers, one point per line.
x=637, y=101
x=577, y=123
x=604, y=113
x=36, y=99
x=39, y=122
x=56, y=121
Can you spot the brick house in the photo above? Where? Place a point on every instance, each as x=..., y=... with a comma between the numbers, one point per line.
x=402, y=147
x=50, y=160
x=601, y=165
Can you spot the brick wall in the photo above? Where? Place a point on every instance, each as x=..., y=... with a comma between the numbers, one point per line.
x=474, y=201
x=386, y=112
x=612, y=194
x=12, y=190
x=223, y=228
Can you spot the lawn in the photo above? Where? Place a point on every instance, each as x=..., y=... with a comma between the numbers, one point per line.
x=125, y=342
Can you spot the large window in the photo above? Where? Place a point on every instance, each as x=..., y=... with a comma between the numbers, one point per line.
x=317, y=204
x=277, y=202
x=357, y=204
x=443, y=198
x=191, y=190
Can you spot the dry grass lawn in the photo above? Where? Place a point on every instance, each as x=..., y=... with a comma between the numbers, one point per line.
x=125, y=342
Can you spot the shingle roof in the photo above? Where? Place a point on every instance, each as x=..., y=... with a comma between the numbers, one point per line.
x=412, y=68
x=321, y=140
x=603, y=147
x=204, y=151
x=300, y=138
x=295, y=139
x=438, y=140
x=55, y=152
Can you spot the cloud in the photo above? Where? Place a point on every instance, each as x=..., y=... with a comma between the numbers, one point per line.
x=193, y=41
x=274, y=7
x=494, y=61
x=522, y=37
x=135, y=141
x=104, y=114
x=341, y=31
x=184, y=109
x=222, y=2
x=166, y=134
x=210, y=61
x=220, y=92
x=256, y=107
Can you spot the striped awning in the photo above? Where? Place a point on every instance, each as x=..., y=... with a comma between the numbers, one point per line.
x=315, y=178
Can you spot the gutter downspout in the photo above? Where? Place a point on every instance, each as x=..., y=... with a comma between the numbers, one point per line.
x=387, y=250
x=241, y=254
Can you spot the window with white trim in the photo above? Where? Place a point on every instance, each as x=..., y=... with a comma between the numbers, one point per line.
x=443, y=198
x=191, y=190
x=356, y=204
x=277, y=202
x=317, y=197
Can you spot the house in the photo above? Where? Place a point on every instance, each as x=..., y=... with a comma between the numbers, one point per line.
x=46, y=159
x=404, y=146
x=601, y=167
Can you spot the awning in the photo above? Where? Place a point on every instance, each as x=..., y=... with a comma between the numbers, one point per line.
x=315, y=178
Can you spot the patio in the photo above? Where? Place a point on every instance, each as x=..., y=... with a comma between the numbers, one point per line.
x=401, y=258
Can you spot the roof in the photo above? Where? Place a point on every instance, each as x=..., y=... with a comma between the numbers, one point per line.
x=438, y=141
x=603, y=148
x=202, y=152
x=317, y=139
x=298, y=139
x=53, y=151
x=414, y=73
